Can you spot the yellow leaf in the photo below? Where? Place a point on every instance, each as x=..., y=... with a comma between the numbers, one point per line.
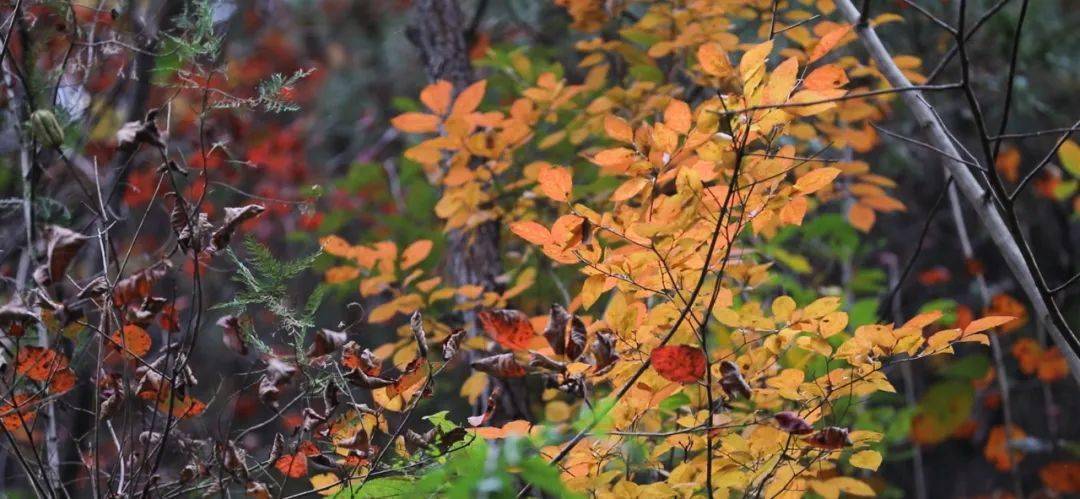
x=816, y=179
x=383, y=312
x=822, y=306
x=714, y=60
x=474, y=386
x=851, y=486
x=867, y=459
x=415, y=253
x=794, y=210
x=942, y=338
x=832, y=323
x=591, y=290
x=326, y=484
x=556, y=182
x=416, y=122
x=754, y=59
x=782, y=307
x=782, y=81
x=1069, y=154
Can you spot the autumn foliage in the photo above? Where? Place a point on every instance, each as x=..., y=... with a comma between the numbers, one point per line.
x=697, y=291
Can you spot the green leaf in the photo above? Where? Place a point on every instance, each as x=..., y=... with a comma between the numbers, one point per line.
x=381, y=487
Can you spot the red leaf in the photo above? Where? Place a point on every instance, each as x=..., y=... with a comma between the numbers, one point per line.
x=292, y=466
x=510, y=328
x=679, y=363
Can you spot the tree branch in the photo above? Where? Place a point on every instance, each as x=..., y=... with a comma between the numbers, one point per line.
x=977, y=196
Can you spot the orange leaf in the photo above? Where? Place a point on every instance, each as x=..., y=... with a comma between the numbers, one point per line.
x=829, y=42
x=437, y=96
x=416, y=122
x=679, y=363
x=826, y=77
x=469, y=99
x=135, y=340
x=861, y=217
x=989, y=322
x=1062, y=477
x=556, y=183
x=415, y=253
x=1052, y=366
x=510, y=328
x=39, y=364
x=618, y=129
x=1008, y=164
x=16, y=415
x=997, y=447
x=532, y=232
x=816, y=179
x=677, y=116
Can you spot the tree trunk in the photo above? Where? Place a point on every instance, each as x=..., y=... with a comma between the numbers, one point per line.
x=472, y=256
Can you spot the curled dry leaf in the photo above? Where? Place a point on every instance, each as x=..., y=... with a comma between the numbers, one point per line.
x=15, y=313
x=326, y=342
x=679, y=363
x=232, y=458
x=312, y=419
x=257, y=490
x=603, y=351
x=139, y=285
x=416, y=322
x=417, y=440
x=278, y=374
x=353, y=357
x=575, y=341
x=359, y=441
x=501, y=366
x=361, y=379
x=510, y=328
x=830, y=438
x=61, y=245
x=278, y=447
x=231, y=334
x=233, y=218
x=134, y=133
x=732, y=381
x=555, y=332
x=792, y=423
x=489, y=409
x=544, y=362
x=450, y=348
